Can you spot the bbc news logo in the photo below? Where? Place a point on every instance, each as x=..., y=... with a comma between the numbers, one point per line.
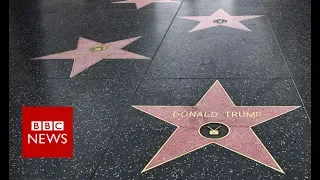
x=44, y=138
x=47, y=132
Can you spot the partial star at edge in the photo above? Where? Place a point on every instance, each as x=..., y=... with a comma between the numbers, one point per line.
x=142, y=3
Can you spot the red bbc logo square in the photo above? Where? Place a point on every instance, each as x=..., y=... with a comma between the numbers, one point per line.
x=47, y=132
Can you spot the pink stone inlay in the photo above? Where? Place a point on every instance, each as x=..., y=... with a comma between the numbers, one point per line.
x=214, y=106
x=208, y=21
x=142, y=3
x=84, y=58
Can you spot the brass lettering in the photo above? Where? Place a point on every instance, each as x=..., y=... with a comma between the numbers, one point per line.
x=251, y=115
x=175, y=114
x=227, y=113
x=193, y=114
x=200, y=114
x=214, y=114
x=258, y=114
x=243, y=114
x=184, y=115
x=234, y=114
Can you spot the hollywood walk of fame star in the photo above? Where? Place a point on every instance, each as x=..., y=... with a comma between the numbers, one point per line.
x=90, y=52
x=142, y=3
x=217, y=108
x=219, y=18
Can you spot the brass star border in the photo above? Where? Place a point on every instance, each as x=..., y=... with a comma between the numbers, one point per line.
x=214, y=92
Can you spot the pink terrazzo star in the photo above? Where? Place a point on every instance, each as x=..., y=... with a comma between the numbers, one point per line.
x=142, y=3
x=214, y=107
x=90, y=52
x=219, y=18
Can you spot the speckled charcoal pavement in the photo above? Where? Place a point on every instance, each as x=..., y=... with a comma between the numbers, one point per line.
x=165, y=89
